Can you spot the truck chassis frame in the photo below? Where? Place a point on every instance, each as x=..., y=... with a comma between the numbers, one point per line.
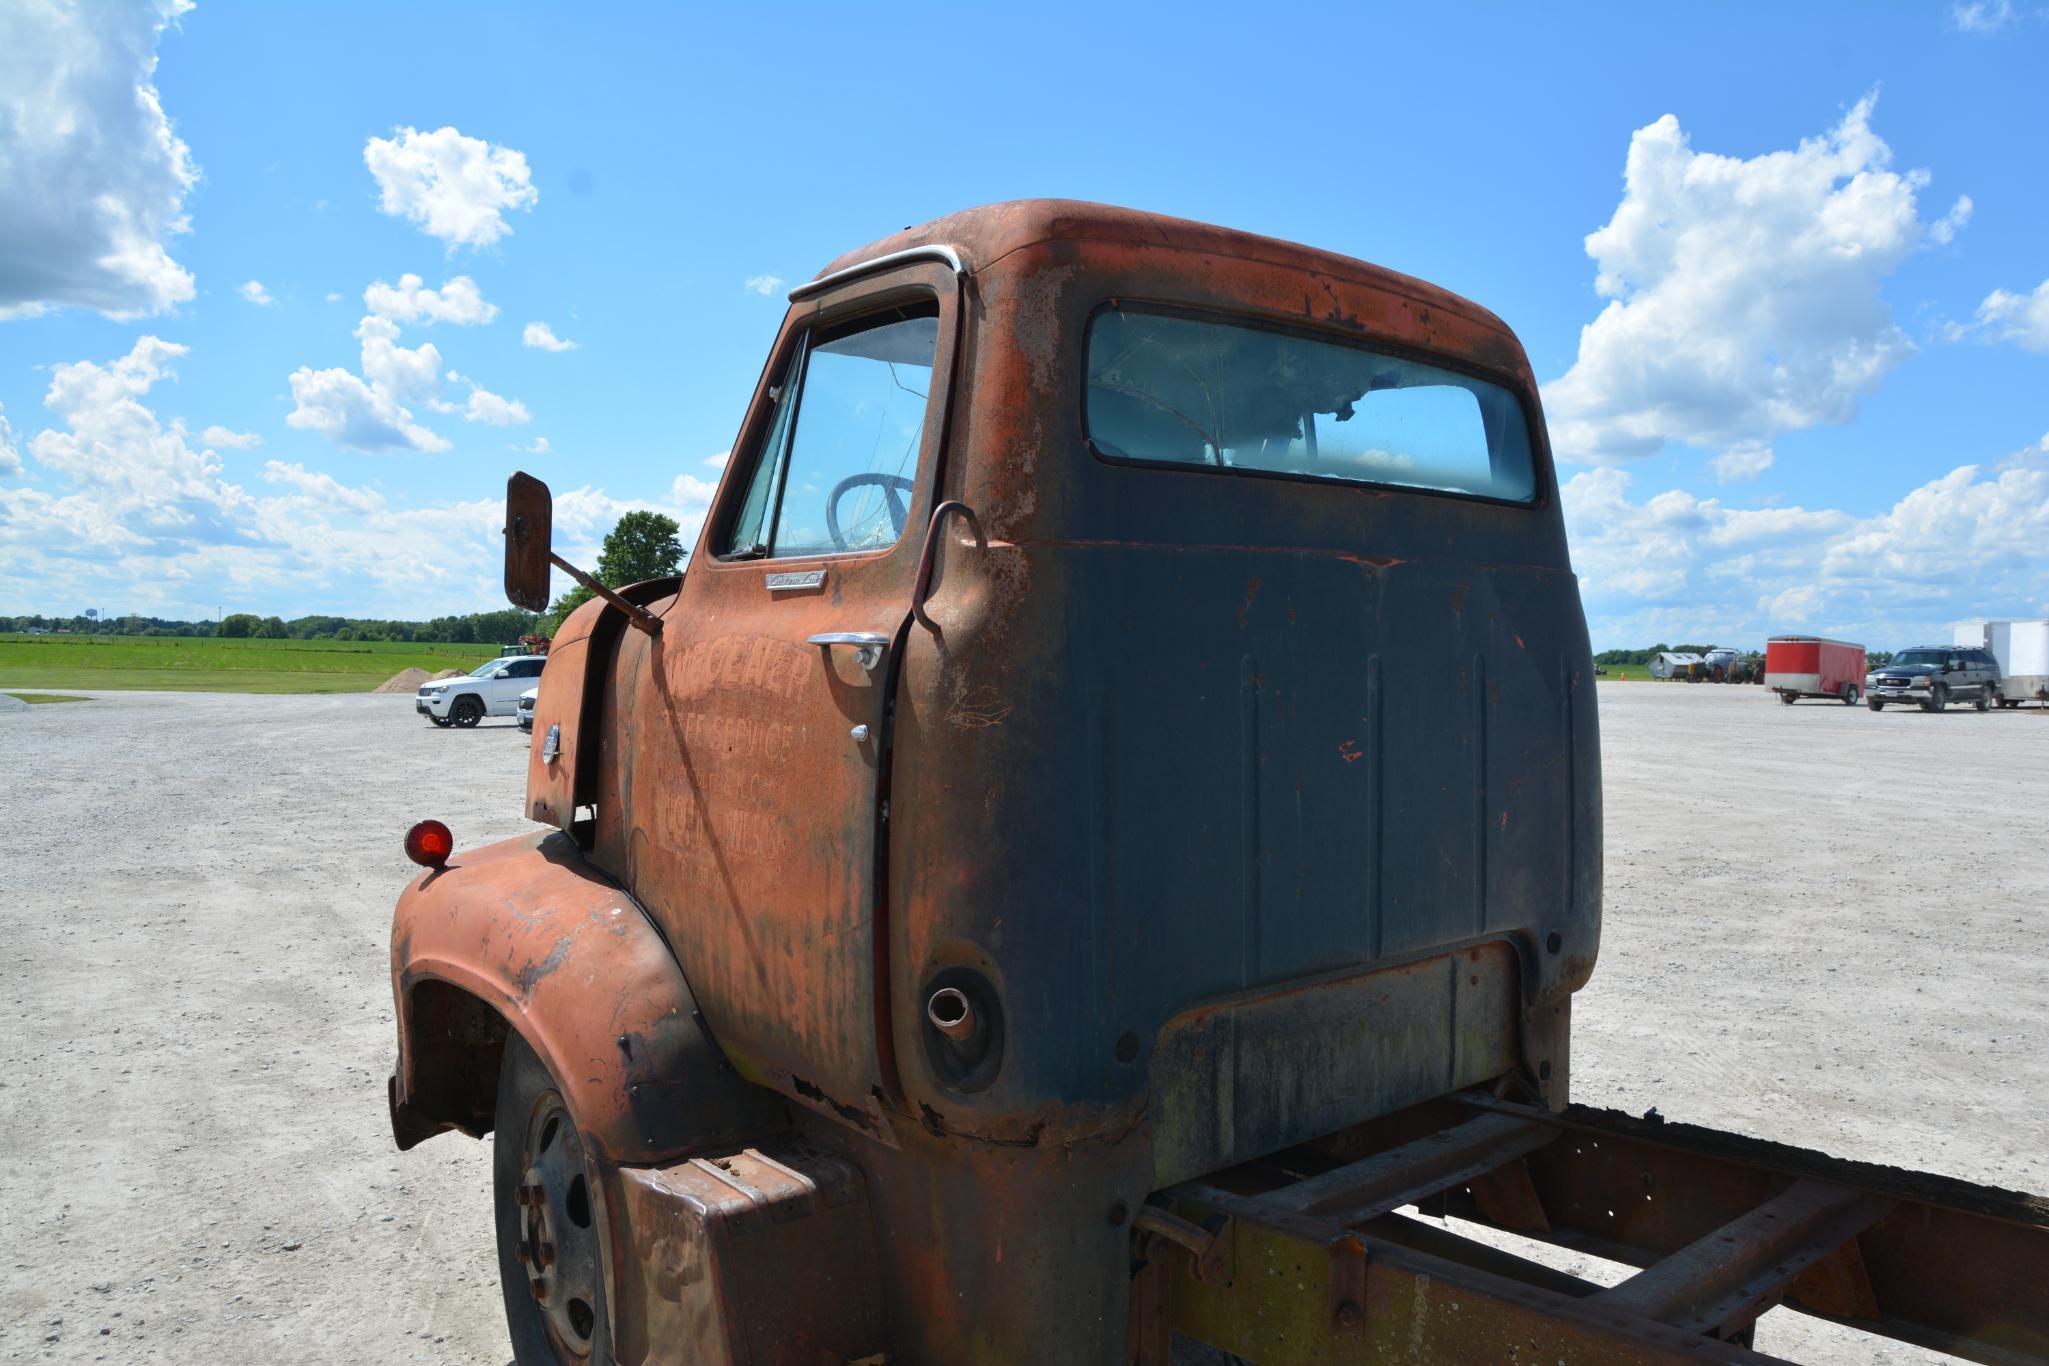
x=1304, y=1258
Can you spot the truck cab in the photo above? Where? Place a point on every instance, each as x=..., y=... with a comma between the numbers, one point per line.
x=1128, y=714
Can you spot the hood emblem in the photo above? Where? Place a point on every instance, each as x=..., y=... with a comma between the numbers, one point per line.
x=551, y=746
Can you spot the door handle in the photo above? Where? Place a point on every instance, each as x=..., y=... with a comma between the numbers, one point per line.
x=922, y=586
x=867, y=645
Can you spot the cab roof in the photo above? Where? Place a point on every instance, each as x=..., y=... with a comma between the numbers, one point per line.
x=985, y=235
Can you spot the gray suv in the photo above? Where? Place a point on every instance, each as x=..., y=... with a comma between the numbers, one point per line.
x=1932, y=677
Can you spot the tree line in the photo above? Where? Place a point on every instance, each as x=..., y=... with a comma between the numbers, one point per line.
x=502, y=627
x=642, y=546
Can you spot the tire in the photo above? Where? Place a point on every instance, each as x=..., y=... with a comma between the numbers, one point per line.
x=1850, y=695
x=1938, y=698
x=1984, y=700
x=467, y=711
x=1875, y=703
x=535, y=1147
x=441, y=721
x=1788, y=698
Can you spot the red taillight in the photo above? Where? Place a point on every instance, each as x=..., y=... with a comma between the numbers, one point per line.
x=429, y=844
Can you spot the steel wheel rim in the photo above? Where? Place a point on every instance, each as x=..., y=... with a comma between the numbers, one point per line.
x=558, y=1233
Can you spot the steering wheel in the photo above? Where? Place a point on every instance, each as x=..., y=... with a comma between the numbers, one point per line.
x=891, y=485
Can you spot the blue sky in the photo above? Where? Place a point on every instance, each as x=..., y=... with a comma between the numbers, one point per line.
x=1782, y=269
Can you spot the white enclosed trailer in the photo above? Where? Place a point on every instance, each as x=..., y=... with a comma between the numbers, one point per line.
x=2022, y=649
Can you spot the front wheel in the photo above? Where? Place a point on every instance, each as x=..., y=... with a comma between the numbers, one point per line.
x=1850, y=695
x=467, y=711
x=441, y=721
x=1984, y=702
x=1876, y=704
x=1938, y=698
x=545, y=1201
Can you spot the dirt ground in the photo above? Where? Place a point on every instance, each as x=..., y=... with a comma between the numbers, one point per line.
x=1822, y=927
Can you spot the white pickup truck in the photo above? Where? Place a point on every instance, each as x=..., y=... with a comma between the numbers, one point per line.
x=491, y=689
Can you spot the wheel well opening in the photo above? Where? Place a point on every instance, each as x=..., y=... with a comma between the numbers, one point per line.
x=457, y=1043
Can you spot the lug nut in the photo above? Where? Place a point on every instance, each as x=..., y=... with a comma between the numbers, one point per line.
x=539, y=1287
x=547, y=1254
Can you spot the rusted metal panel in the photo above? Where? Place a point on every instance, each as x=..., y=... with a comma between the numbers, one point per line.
x=551, y=782
x=752, y=1257
x=739, y=781
x=567, y=958
x=1220, y=735
x=1251, y=1074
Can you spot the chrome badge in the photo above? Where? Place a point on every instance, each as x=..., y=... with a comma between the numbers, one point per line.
x=795, y=581
x=551, y=746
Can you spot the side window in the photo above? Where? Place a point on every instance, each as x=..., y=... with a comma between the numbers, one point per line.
x=836, y=471
x=530, y=669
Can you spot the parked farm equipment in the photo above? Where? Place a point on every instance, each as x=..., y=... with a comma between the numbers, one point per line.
x=1103, y=827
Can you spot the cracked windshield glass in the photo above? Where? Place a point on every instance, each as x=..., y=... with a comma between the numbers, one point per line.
x=838, y=467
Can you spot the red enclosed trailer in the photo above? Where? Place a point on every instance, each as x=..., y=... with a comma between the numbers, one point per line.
x=1812, y=666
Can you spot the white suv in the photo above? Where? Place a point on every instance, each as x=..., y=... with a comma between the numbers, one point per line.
x=492, y=689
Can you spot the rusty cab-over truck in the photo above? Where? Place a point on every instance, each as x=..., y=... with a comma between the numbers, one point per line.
x=1109, y=817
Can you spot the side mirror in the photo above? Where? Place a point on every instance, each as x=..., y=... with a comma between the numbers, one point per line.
x=502, y=673
x=529, y=527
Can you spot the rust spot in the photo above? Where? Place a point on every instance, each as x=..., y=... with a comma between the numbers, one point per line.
x=1458, y=598
x=1251, y=592
x=1349, y=751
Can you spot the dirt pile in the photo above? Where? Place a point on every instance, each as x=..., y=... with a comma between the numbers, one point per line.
x=447, y=673
x=405, y=680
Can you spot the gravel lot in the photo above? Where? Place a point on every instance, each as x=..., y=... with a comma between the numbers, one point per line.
x=1821, y=928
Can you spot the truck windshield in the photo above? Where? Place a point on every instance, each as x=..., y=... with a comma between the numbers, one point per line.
x=1169, y=389
x=1934, y=657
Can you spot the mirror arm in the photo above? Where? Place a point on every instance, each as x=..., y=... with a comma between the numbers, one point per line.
x=635, y=613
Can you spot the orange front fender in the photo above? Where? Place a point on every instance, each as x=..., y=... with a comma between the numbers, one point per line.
x=527, y=935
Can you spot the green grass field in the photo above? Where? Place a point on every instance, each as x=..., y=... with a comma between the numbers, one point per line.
x=199, y=664
x=1635, y=673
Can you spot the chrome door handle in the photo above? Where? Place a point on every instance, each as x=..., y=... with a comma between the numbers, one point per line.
x=868, y=645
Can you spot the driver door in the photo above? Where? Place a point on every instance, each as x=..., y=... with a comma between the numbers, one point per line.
x=752, y=750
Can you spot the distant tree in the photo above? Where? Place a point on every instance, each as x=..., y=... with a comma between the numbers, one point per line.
x=273, y=628
x=643, y=545
x=240, y=626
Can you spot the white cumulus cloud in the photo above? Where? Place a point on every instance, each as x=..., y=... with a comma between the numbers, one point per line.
x=10, y=456
x=1675, y=566
x=1744, y=460
x=1982, y=16
x=255, y=293
x=130, y=472
x=542, y=337
x=458, y=301
x=370, y=412
x=144, y=519
x=764, y=284
x=1744, y=295
x=234, y=440
x=538, y=446
x=2019, y=318
x=453, y=187
x=494, y=409
x=92, y=179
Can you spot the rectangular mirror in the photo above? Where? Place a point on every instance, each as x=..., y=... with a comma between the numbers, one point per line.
x=529, y=524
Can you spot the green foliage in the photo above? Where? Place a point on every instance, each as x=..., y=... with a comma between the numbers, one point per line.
x=642, y=546
x=240, y=626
